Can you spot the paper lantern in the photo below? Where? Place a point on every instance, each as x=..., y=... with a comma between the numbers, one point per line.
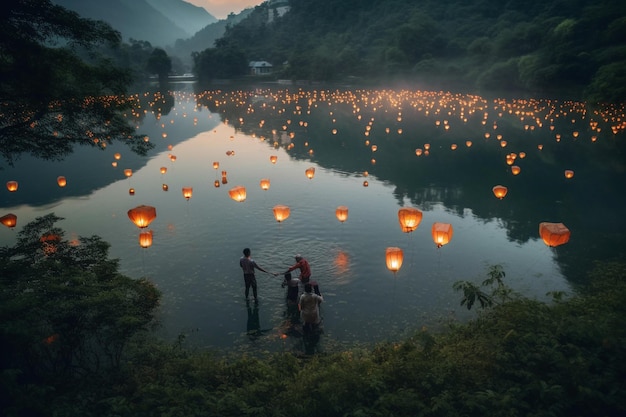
x=341, y=213
x=468, y=143
x=187, y=192
x=9, y=220
x=394, y=257
x=131, y=191
x=265, y=184
x=310, y=173
x=554, y=234
x=442, y=233
x=409, y=218
x=365, y=183
x=500, y=191
x=61, y=181
x=515, y=170
x=12, y=186
x=142, y=215
x=238, y=193
x=145, y=239
x=117, y=155
x=165, y=187
x=163, y=170
x=273, y=159
x=569, y=173
x=216, y=183
x=281, y=213
x=128, y=172
x=216, y=165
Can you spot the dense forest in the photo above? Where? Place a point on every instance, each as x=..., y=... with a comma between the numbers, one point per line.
x=572, y=49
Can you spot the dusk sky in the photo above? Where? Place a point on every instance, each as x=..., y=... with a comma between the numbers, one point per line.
x=221, y=8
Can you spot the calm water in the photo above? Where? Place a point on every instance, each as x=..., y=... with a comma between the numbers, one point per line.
x=349, y=137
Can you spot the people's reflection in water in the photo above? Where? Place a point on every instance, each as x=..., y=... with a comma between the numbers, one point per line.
x=308, y=337
x=253, y=326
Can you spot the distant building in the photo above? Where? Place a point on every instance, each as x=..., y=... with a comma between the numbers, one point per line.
x=260, y=67
x=276, y=8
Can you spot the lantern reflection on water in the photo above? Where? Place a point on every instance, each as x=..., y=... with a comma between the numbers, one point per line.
x=281, y=212
x=142, y=215
x=442, y=233
x=554, y=234
x=409, y=218
x=394, y=257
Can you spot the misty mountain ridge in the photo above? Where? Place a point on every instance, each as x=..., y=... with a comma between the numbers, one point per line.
x=160, y=22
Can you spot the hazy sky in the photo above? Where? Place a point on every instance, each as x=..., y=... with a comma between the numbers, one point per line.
x=221, y=8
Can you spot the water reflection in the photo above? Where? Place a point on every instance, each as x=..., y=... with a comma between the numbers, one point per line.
x=348, y=137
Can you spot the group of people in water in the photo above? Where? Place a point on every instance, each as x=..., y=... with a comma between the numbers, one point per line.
x=308, y=302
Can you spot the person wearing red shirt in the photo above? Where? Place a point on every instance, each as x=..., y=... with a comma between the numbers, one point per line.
x=305, y=270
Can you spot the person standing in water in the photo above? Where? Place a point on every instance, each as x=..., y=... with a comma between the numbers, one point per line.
x=303, y=265
x=248, y=265
x=309, y=306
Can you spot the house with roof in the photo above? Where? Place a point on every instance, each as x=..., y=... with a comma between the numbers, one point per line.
x=260, y=67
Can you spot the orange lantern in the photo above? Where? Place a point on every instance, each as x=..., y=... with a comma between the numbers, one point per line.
x=500, y=191
x=569, y=173
x=117, y=155
x=273, y=159
x=281, y=213
x=61, y=181
x=265, y=184
x=131, y=191
x=310, y=173
x=142, y=215
x=165, y=187
x=468, y=143
x=342, y=213
x=238, y=193
x=9, y=220
x=442, y=233
x=145, y=239
x=216, y=165
x=365, y=183
x=409, y=218
x=554, y=234
x=128, y=172
x=515, y=170
x=12, y=186
x=163, y=170
x=394, y=257
x=216, y=183
x=187, y=192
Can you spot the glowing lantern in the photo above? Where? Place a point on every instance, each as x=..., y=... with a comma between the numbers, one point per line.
x=238, y=193
x=142, y=215
x=12, y=186
x=131, y=191
x=165, y=187
x=365, y=183
x=342, y=213
x=554, y=234
x=409, y=218
x=128, y=172
x=61, y=181
x=394, y=257
x=419, y=152
x=569, y=173
x=9, y=220
x=442, y=233
x=500, y=191
x=273, y=159
x=187, y=192
x=515, y=170
x=163, y=170
x=265, y=184
x=216, y=183
x=145, y=239
x=310, y=173
x=468, y=143
x=281, y=213
x=216, y=165
x=117, y=156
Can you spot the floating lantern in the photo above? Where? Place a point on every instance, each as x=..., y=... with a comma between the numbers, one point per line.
x=569, y=173
x=468, y=143
x=163, y=170
x=366, y=184
x=394, y=257
x=500, y=191
x=131, y=191
x=409, y=218
x=265, y=184
x=453, y=146
x=374, y=148
x=145, y=239
x=128, y=172
x=310, y=173
x=114, y=164
x=165, y=187
x=12, y=186
x=142, y=215
x=187, y=192
x=117, y=155
x=554, y=234
x=9, y=220
x=515, y=170
x=61, y=181
x=442, y=233
x=273, y=159
x=341, y=213
x=216, y=165
x=216, y=183
x=419, y=152
x=238, y=193
x=281, y=213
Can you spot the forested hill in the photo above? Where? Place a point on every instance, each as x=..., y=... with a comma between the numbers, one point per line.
x=539, y=46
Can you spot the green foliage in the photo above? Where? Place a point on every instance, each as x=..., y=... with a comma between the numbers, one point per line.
x=495, y=281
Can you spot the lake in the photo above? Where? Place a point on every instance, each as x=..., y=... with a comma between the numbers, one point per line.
x=373, y=151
